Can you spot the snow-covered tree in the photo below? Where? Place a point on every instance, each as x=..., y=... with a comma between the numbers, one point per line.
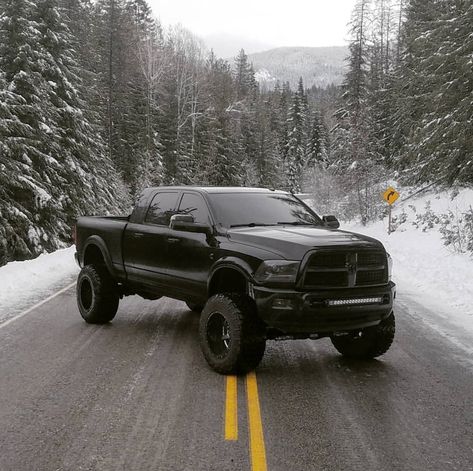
x=435, y=87
x=52, y=171
x=297, y=139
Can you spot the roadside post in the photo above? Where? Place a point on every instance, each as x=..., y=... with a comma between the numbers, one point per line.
x=390, y=196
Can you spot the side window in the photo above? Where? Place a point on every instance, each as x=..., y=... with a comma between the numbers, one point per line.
x=195, y=205
x=161, y=209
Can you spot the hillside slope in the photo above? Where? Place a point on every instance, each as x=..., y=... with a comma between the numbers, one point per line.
x=318, y=66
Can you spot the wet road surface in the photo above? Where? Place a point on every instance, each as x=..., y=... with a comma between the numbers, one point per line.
x=137, y=395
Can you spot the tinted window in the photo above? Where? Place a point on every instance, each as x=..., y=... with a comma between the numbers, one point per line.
x=246, y=209
x=161, y=209
x=195, y=205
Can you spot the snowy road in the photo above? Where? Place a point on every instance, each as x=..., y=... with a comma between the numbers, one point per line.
x=137, y=395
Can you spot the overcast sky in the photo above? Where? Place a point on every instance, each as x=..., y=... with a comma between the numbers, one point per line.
x=261, y=23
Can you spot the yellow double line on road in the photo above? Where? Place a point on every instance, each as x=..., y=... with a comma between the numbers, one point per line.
x=257, y=448
x=231, y=408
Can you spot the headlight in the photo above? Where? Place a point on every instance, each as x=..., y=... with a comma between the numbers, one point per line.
x=277, y=271
x=390, y=266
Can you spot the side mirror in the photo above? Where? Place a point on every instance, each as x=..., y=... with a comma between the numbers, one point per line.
x=331, y=221
x=185, y=222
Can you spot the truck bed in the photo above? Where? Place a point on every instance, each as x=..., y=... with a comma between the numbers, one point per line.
x=110, y=229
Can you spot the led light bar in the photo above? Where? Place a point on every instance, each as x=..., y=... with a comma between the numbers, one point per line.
x=354, y=302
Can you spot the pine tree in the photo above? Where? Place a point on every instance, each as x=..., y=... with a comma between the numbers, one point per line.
x=435, y=88
x=21, y=121
x=15, y=146
x=297, y=139
x=110, y=68
x=317, y=141
x=221, y=161
x=139, y=102
x=358, y=141
x=72, y=142
x=410, y=85
x=78, y=15
x=245, y=83
x=354, y=115
x=245, y=123
x=52, y=173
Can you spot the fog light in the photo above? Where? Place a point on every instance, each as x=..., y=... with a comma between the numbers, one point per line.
x=282, y=303
x=354, y=302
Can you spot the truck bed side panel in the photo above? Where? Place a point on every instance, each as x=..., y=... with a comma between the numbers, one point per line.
x=107, y=232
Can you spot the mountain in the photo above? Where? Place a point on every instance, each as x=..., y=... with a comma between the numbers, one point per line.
x=318, y=66
x=229, y=45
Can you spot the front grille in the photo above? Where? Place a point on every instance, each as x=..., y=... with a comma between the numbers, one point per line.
x=371, y=258
x=368, y=278
x=335, y=278
x=345, y=269
x=328, y=259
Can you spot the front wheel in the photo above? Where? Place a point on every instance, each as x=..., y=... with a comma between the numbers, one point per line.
x=231, y=335
x=97, y=295
x=367, y=343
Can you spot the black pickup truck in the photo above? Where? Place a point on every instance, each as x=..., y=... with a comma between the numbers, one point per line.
x=257, y=264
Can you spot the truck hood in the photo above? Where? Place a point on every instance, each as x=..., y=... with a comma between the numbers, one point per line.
x=292, y=243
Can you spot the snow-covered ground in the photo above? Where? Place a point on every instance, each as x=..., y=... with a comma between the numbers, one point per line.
x=22, y=284
x=425, y=270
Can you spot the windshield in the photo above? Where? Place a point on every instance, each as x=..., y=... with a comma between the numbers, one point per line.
x=260, y=209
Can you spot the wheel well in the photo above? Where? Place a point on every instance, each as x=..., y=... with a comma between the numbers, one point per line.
x=227, y=280
x=93, y=256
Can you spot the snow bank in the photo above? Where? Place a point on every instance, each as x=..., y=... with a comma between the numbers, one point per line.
x=425, y=270
x=24, y=283
x=441, y=202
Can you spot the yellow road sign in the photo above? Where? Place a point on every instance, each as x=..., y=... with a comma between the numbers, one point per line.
x=390, y=195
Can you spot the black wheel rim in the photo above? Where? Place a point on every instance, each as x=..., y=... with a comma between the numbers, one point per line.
x=218, y=335
x=86, y=294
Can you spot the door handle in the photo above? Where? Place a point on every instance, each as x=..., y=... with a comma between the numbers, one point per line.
x=138, y=234
x=173, y=240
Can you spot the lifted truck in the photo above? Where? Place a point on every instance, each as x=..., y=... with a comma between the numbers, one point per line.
x=256, y=264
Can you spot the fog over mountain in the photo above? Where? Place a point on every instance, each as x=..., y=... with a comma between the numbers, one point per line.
x=227, y=45
x=318, y=66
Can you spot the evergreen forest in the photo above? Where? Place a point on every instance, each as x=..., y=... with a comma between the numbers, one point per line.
x=98, y=100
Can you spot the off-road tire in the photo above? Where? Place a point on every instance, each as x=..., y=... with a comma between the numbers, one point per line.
x=367, y=343
x=246, y=334
x=195, y=307
x=97, y=294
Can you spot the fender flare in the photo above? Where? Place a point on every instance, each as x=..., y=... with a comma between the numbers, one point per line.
x=232, y=263
x=102, y=246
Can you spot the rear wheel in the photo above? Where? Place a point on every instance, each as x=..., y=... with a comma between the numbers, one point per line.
x=97, y=294
x=367, y=343
x=231, y=335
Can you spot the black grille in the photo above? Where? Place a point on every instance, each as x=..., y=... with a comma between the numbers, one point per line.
x=372, y=277
x=328, y=260
x=326, y=278
x=370, y=259
x=345, y=269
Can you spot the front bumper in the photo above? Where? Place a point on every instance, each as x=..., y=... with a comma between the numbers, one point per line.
x=308, y=312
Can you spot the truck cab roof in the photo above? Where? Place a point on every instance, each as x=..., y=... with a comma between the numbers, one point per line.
x=217, y=189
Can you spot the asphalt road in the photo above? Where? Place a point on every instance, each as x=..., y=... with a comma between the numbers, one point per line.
x=137, y=395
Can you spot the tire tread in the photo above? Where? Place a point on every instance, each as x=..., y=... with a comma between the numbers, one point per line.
x=106, y=298
x=250, y=334
x=382, y=337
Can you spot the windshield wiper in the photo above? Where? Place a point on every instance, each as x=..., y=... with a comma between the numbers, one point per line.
x=296, y=223
x=251, y=224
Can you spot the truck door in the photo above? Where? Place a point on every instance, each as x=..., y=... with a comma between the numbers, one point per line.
x=190, y=252
x=146, y=244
